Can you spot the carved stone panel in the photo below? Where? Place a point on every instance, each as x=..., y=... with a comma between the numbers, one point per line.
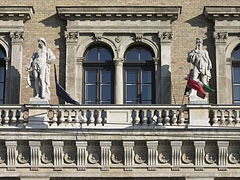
x=23, y=152
x=93, y=153
x=211, y=153
x=140, y=153
x=3, y=154
x=117, y=153
x=46, y=153
x=188, y=152
x=69, y=154
x=164, y=152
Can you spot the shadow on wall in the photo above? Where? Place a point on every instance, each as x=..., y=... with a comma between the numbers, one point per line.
x=166, y=85
x=54, y=21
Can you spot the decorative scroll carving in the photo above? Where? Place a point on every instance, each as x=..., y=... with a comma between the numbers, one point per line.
x=211, y=158
x=138, y=159
x=45, y=159
x=220, y=36
x=118, y=39
x=18, y=35
x=21, y=159
x=166, y=36
x=71, y=35
x=115, y=159
x=98, y=36
x=68, y=159
x=234, y=158
x=93, y=158
x=139, y=37
x=2, y=160
x=187, y=158
x=164, y=157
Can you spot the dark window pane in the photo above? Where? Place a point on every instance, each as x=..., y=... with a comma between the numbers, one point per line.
x=146, y=92
x=2, y=74
x=105, y=102
x=146, y=102
x=90, y=102
x=146, y=77
x=90, y=92
x=145, y=55
x=132, y=54
x=106, y=77
x=105, y=54
x=236, y=53
x=92, y=54
x=131, y=91
x=131, y=102
x=131, y=76
x=105, y=92
x=237, y=92
x=1, y=91
x=1, y=102
x=2, y=53
x=90, y=76
x=236, y=74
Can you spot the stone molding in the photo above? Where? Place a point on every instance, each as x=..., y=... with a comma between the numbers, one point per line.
x=220, y=37
x=222, y=12
x=120, y=12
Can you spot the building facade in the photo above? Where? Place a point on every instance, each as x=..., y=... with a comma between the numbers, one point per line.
x=125, y=62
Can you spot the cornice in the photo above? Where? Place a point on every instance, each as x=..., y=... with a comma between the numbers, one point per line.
x=118, y=12
x=16, y=12
x=222, y=12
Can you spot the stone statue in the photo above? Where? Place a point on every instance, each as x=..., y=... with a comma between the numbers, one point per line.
x=39, y=76
x=201, y=62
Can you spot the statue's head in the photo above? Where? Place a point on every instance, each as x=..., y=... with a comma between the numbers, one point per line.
x=199, y=42
x=41, y=42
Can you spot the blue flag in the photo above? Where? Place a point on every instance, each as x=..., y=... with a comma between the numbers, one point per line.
x=62, y=93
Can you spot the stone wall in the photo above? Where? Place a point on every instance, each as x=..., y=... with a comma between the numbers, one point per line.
x=190, y=24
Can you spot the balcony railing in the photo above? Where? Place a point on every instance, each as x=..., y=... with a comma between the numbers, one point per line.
x=118, y=116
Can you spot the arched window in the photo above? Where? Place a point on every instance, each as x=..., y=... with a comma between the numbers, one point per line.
x=98, y=75
x=2, y=73
x=139, y=75
x=236, y=74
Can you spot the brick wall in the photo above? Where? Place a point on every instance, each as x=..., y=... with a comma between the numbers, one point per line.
x=191, y=24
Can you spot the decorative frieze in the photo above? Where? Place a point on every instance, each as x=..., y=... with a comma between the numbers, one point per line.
x=176, y=154
x=128, y=154
x=105, y=154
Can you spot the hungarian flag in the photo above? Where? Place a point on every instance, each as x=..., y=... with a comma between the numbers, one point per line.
x=62, y=93
x=192, y=84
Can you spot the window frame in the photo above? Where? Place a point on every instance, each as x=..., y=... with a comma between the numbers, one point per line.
x=3, y=64
x=235, y=63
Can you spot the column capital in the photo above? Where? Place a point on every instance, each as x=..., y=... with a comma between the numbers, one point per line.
x=223, y=143
x=71, y=36
x=80, y=60
x=128, y=144
x=165, y=37
x=57, y=143
x=118, y=61
x=81, y=143
x=220, y=37
x=11, y=143
x=199, y=143
x=34, y=143
x=17, y=36
x=176, y=143
x=152, y=144
x=105, y=143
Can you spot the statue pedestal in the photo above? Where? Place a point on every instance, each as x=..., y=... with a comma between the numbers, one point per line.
x=38, y=115
x=194, y=99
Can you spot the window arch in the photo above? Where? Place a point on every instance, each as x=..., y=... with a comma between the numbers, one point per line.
x=98, y=75
x=236, y=74
x=2, y=73
x=139, y=75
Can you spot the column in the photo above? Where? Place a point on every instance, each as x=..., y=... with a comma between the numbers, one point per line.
x=105, y=155
x=11, y=155
x=118, y=94
x=176, y=154
x=71, y=66
x=58, y=154
x=81, y=155
x=34, y=154
x=79, y=79
x=157, y=69
x=165, y=42
x=16, y=67
x=199, y=155
x=221, y=78
x=222, y=155
x=128, y=155
x=152, y=155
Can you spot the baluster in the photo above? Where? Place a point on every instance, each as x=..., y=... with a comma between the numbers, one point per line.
x=98, y=118
x=237, y=119
x=6, y=117
x=166, y=119
x=144, y=119
x=14, y=118
x=1, y=116
x=215, y=118
x=230, y=119
x=160, y=119
x=152, y=118
x=174, y=118
x=69, y=118
x=91, y=118
x=61, y=119
x=181, y=117
x=222, y=119
x=77, y=119
x=137, y=118
x=105, y=117
x=83, y=120
x=20, y=123
x=54, y=119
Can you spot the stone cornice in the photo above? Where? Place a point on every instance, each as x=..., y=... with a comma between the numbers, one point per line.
x=119, y=12
x=222, y=12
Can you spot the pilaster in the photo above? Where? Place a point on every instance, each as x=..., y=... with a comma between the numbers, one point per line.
x=81, y=155
x=176, y=154
x=165, y=43
x=118, y=95
x=222, y=154
x=34, y=154
x=199, y=155
x=58, y=154
x=152, y=155
x=157, y=69
x=11, y=155
x=105, y=155
x=128, y=155
x=79, y=79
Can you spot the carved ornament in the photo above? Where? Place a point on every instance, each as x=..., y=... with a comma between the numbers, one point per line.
x=93, y=158
x=220, y=36
x=138, y=159
x=115, y=159
x=45, y=159
x=166, y=36
x=211, y=158
x=21, y=159
x=68, y=159
x=70, y=35
x=163, y=157
x=2, y=160
x=98, y=36
x=18, y=35
x=234, y=158
x=118, y=39
x=139, y=37
x=187, y=158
